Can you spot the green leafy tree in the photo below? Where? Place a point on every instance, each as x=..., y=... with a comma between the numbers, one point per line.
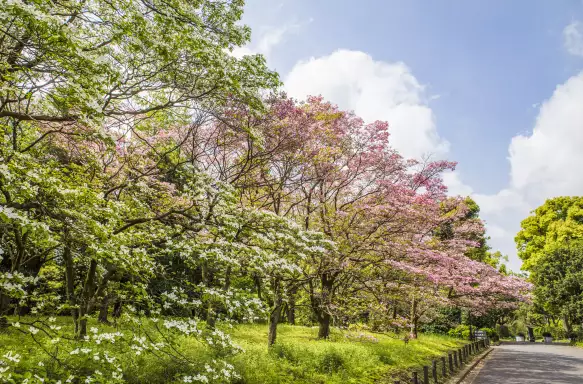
x=552, y=225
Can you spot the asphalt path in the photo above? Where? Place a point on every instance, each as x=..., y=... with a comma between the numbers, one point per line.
x=531, y=363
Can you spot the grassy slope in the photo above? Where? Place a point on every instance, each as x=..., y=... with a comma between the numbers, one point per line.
x=297, y=358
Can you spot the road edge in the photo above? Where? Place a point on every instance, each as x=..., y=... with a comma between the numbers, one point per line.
x=463, y=374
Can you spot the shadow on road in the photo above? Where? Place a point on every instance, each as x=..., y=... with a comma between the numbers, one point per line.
x=510, y=366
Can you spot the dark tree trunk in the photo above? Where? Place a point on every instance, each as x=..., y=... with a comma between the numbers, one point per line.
x=103, y=311
x=275, y=313
x=210, y=310
x=257, y=281
x=88, y=291
x=322, y=309
x=414, y=319
x=117, y=309
x=227, y=279
x=324, y=326
x=4, y=304
x=70, y=284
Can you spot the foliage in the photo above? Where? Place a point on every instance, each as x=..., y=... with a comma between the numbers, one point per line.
x=300, y=358
x=150, y=182
x=462, y=331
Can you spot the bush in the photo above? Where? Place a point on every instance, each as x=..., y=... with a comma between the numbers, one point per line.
x=331, y=362
x=489, y=331
x=461, y=332
x=547, y=334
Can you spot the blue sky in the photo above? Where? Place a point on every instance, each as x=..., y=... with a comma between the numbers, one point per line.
x=479, y=71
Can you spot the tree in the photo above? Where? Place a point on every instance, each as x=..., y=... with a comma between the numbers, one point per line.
x=549, y=244
x=558, y=280
x=552, y=225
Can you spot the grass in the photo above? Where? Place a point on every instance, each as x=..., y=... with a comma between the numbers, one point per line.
x=297, y=357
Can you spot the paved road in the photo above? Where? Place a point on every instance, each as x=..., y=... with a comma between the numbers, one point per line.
x=532, y=363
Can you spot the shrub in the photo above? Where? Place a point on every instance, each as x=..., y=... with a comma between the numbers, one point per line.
x=547, y=334
x=331, y=362
x=461, y=332
x=491, y=333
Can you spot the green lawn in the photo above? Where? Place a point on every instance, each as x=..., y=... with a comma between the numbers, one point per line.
x=298, y=357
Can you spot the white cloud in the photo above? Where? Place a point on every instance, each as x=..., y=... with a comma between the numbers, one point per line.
x=266, y=39
x=573, y=38
x=455, y=185
x=375, y=90
x=544, y=164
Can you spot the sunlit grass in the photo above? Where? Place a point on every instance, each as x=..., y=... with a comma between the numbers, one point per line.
x=297, y=357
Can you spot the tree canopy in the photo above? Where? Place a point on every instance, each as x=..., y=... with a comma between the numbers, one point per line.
x=149, y=178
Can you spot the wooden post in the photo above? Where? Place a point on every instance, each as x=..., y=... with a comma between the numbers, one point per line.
x=461, y=353
x=450, y=362
x=425, y=374
x=415, y=380
x=434, y=371
x=455, y=359
x=444, y=367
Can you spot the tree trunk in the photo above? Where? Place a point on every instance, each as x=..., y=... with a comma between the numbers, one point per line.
x=88, y=291
x=414, y=319
x=324, y=327
x=4, y=304
x=210, y=311
x=117, y=309
x=227, y=285
x=103, y=311
x=70, y=282
x=291, y=307
x=257, y=281
x=322, y=304
x=567, y=323
x=275, y=313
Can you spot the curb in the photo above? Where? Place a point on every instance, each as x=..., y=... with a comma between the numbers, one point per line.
x=469, y=369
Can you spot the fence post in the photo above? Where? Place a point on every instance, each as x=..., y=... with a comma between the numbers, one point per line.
x=425, y=374
x=455, y=359
x=444, y=367
x=415, y=380
x=450, y=362
x=434, y=371
x=459, y=353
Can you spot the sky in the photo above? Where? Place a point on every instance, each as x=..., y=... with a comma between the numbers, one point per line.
x=495, y=85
